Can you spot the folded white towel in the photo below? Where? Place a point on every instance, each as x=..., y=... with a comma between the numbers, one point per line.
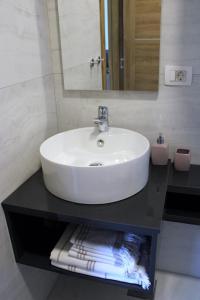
x=100, y=253
x=91, y=265
x=118, y=246
x=122, y=257
x=97, y=239
x=87, y=255
x=90, y=237
x=135, y=278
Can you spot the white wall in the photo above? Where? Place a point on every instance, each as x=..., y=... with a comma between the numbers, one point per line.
x=173, y=110
x=27, y=117
x=179, y=249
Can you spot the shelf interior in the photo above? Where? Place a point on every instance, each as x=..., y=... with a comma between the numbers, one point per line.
x=34, y=238
x=182, y=207
x=36, y=235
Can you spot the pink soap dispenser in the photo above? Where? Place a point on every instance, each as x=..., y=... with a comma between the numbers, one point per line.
x=160, y=152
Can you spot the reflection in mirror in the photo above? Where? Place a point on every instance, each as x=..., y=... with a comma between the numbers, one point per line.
x=110, y=44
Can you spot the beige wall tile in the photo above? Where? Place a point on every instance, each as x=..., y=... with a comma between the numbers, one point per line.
x=27, y=118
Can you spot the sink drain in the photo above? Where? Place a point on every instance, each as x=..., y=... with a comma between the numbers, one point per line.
x=100, y=143
x=96, y=164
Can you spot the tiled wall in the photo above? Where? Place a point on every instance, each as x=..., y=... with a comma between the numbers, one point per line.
x=179, y=249
x=27, y=117
x=173, y=110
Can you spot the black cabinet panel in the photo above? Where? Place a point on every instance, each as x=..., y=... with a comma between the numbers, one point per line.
x=183, y=196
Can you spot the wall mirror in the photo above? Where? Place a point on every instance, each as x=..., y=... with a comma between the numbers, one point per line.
x=110, y=44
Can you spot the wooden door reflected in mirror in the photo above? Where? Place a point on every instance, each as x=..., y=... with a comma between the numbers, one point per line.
x=132, y=47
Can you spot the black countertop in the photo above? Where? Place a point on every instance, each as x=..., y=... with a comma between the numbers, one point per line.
x=142, y=212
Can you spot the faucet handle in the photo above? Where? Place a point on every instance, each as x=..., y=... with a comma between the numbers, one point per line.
x=98, y=121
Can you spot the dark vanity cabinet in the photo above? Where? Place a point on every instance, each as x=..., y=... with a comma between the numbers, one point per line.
x=183, y=196
x=36, y=220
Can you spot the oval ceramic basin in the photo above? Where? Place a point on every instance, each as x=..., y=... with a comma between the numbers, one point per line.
x=86, y=166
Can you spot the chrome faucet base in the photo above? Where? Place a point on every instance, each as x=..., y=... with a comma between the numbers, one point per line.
x=102, y=120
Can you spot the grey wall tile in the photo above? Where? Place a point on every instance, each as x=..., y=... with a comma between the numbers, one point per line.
x=179, y=249
x=27, y=118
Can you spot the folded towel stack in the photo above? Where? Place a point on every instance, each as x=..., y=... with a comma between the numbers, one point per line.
x=101, y=253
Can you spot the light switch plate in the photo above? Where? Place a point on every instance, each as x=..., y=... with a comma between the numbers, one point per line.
x=178, y=75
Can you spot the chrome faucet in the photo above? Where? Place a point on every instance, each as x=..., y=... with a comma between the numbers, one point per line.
x=102, y=120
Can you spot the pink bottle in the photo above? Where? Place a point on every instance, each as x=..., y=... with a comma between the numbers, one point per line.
x=160, y=152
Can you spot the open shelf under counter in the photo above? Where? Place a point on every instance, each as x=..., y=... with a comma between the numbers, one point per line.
x=183, y=196
x=36, y=219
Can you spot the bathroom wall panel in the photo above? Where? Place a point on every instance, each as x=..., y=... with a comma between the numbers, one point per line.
x=27, y=118
x=179, y=248
x=24, y=40
x=181, y=34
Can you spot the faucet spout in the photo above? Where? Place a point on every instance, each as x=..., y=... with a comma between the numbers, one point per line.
x=102, y=120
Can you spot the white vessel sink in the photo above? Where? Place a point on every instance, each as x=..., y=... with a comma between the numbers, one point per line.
x=86, y=166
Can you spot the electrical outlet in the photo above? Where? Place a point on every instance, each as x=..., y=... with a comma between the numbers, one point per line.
x=178, y=75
